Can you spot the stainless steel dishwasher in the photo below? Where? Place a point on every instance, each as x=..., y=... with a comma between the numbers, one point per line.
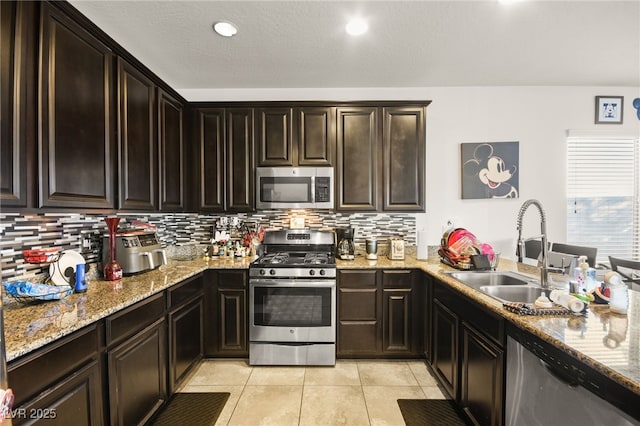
x=548, y=388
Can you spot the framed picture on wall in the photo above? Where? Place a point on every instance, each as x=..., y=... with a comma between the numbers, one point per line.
x=490, y=170
x=609, y=109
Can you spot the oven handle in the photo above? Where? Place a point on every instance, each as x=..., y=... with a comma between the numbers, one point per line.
x=290, y=283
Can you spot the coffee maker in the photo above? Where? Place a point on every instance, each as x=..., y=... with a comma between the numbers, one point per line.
x=346, y=248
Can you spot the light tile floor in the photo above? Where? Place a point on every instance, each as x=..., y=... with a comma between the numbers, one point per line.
x=354, y=392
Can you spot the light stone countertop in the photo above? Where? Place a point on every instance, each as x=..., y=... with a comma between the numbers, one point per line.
x=608, y=342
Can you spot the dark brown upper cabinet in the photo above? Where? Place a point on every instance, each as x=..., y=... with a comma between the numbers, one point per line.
x=17, y=103
x=301, y=136
x=316, y=135
x=275, y=136
x=403, y=147
x=75, y=115
x=357, y=159
x=210, y=124
x=240, y=159
x=137, y=159
x=171, y=143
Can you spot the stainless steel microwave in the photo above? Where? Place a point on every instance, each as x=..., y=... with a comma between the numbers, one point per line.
x=294, y=188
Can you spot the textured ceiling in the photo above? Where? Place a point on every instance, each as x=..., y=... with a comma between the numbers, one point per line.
x=302, y=44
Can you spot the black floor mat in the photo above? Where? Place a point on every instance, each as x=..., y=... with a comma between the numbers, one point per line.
x=193, y=409
x=430, y=412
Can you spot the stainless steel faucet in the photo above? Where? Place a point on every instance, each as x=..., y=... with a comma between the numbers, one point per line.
x=544, y=269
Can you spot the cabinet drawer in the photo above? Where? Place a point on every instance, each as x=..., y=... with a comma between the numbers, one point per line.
x=397, y=279
x=357, y=279
x=357, y=304
x=231, y=279
x=134, y=318
x=184, y=291
x=37, y=371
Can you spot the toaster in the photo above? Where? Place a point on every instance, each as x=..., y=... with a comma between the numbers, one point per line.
x=396, y=249
x=136, y=251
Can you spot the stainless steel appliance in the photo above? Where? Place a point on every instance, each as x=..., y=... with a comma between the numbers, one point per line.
x=294, y=188
x=136, y=251
x=292, y=299
x=396, y=249
x=371, y=247
x=545, y=386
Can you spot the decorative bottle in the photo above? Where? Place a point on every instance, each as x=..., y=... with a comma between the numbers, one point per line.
x=112, y=270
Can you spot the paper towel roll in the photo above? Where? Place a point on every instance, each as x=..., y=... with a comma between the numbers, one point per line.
x=423, y=248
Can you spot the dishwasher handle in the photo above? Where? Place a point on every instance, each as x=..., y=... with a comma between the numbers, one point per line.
x=569, y=380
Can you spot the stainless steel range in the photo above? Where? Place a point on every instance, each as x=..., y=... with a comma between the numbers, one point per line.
x=292, y=299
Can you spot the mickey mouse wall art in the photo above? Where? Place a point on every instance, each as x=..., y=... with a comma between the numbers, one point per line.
x=490, y=170
x=609, y=109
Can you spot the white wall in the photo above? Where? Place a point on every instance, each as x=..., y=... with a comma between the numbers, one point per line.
x=537, y=117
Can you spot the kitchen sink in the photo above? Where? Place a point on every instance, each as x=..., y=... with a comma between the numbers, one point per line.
x=478, y=279
x=513, y=293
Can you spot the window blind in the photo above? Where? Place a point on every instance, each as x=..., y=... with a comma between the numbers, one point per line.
x=603, y=193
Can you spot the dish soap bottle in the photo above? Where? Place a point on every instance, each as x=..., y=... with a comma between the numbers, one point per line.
x=585, y=276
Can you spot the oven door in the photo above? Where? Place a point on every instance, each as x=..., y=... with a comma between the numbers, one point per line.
x=292, y=310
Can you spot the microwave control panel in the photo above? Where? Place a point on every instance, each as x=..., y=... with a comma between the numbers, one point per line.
x=323, y=192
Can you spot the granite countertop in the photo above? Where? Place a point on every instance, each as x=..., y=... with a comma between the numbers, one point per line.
x=608, y=342
x=29, y=327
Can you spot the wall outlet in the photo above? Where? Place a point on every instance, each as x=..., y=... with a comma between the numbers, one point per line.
x=449, y=223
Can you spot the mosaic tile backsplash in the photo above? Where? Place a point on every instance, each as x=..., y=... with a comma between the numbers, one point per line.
x=83, y=232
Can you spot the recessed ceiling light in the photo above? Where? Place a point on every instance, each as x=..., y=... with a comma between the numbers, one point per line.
x=225, y=28
x=356, y=27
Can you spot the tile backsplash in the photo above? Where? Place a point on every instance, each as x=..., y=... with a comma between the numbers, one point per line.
x=83, y=232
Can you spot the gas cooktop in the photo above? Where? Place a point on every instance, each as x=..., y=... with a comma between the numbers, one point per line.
x=295, y=259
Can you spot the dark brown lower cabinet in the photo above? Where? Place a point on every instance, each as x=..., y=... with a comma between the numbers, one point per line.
x=59, y=384
x=396, y=324
x=445, y=347
x=226, y=314
x=73, y=401
x=376, y=314
x=481, y=381
x=467, y=354
x=186, y=328
x=137, y=376
x=186, y=340
x=358, y=313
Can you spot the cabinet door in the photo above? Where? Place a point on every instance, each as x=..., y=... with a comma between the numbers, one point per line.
x=398, y=326
x=316, y=135
x=403, y=158
x=17, y=102
x=445, y=347
x=171, y=153
x=76, y=154
x=137, y=142
x=211, y=158
x=397, y=321
x=232, y=322
x=481, y=381
x=357, y=172
x=75, y=400
x=138, y=376
x=226, y=313
x=358, y=313
x=240, y=161
x=185, y=340
x=275, y=141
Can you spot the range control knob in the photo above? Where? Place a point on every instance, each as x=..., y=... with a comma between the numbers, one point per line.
x=262, y=272
x=272, y=272
x=322, y=272
x=312, y=272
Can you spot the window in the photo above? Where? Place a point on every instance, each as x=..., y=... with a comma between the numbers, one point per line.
x=603, y=193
